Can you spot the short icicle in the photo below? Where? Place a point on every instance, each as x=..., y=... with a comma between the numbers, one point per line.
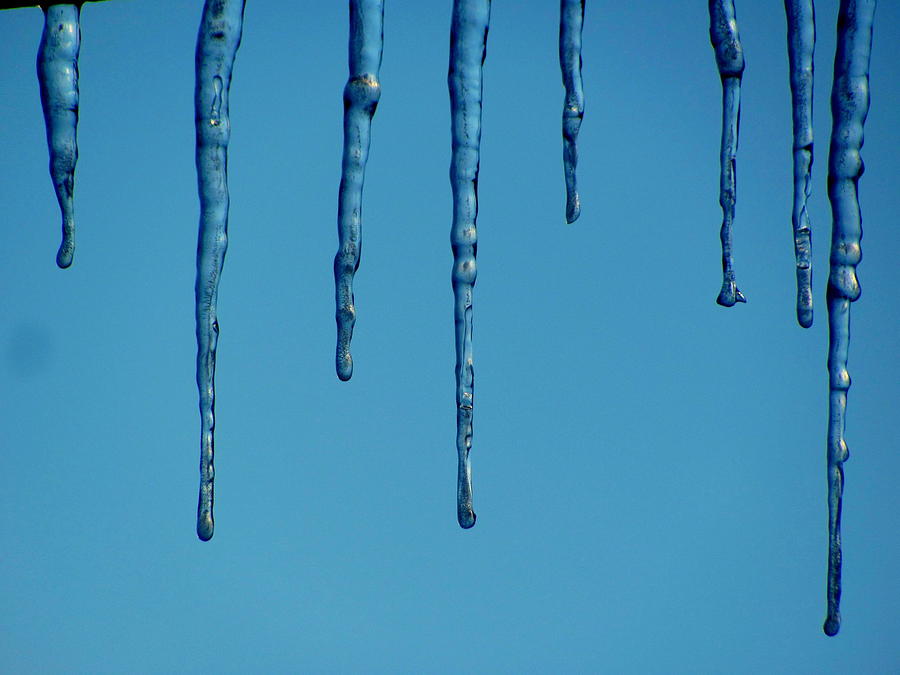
x=723, y=34
x=468, y=44
x=849, y=107
x=217, y=43
x=801, y=39
x=361, y=96
x=571, y=21
x=57, y=69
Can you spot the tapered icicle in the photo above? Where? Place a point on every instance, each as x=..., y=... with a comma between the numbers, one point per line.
x=468, y=45
x=723, y=33
x=57, y=69
x=571, y=21
x=361, y=96
x=217, y=43
x=849, y=107
x=801, y=39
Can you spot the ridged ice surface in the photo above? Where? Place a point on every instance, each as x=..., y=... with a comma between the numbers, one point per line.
x=801, y=39
x=571, y=21
x=849, y=107
x=361, y=96
x=723, y=33
x=468, y=43
x=57, y=69
x=217, y=43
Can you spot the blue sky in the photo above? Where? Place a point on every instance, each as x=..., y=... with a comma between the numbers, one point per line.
x=649, y=467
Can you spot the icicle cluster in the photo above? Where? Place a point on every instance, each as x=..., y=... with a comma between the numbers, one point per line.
x=217, y=44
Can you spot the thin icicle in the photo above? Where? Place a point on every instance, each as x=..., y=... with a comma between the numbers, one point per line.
x=57, y=69
x=801, y=39
x=849, y=107
x=468, y=44
x=571, y=21
x=217, y=43
x=723, y=33
x=360, y=100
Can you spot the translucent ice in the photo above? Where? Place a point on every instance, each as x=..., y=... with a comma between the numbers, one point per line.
x=361, y=96
x=849, y=107
x=723, y=33
x=217, y=44
x=57, y=69
x=571, y=20
x=468, y=44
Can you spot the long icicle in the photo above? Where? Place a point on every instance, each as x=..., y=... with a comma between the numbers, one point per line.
x=723, y=34
x=57, y=69
x=361, y=96
x=849, y=107
x=571, y=21
x=801, y=39
x=468, y=45
x=217, y=42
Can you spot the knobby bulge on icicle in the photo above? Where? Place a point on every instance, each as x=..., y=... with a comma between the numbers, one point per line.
x=849, y=108
x=468, y=45
x=57, y=70
x=571, y=22
x=217, y=43
x=361, y=95
x=726, y=42
x=801, y=39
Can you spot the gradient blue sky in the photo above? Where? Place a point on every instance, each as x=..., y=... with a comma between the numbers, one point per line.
x=649, y=467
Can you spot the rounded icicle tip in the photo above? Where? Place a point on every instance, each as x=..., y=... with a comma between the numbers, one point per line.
x=466, y=519
x=832, y=626
x=205, y=527
x=65, y=256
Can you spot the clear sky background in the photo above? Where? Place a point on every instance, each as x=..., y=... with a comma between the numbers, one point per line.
x=649, y=467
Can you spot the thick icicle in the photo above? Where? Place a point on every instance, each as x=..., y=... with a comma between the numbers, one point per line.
x=571, y=20
x=723, y=33
x=360, y=100
x=849, y=107
x=468, y=44
x=801, y=39
x=217, y=43
x=57, y=69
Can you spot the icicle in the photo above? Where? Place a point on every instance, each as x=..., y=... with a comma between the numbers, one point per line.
x=723, y=34
x=217, y=43
x=801, y=22
x=849, y=107
x=57, y=69
x=360, y=100
x=571, y=20
x=468, y=45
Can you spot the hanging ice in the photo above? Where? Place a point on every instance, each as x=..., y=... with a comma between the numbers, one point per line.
x=217, y=43
x=57, y=69
x=723, y=34
x=801, y=38
x=468, y=44
x=571, y=21
x=360, y=100
x=849, y=107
